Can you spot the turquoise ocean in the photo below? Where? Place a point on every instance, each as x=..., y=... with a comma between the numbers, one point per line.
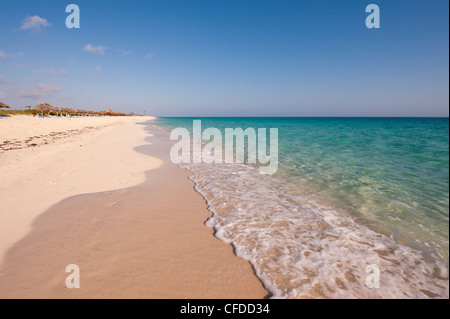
x=349, y=193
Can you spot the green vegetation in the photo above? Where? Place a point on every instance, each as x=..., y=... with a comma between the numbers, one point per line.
x=18, y=112
x=30, y=112
x=9, y=112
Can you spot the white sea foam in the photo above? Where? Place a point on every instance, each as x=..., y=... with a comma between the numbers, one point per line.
x=303, y=249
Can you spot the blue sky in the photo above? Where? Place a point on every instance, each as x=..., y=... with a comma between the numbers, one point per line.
x=228, y=57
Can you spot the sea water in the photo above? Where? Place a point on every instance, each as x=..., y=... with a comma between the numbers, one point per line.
x=349, y=193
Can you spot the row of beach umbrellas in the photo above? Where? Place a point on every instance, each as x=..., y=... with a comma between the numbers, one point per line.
x=49, y=108
x=45, y=107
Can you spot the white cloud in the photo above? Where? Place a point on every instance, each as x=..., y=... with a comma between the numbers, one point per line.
x=39, y=91
x=4, y=55
x=3, y=95
x=2, y=79
x=51, y=71
x=126, y=53
x=98, y=68
x=95, y=49
x=35, y=24
x=149, y=55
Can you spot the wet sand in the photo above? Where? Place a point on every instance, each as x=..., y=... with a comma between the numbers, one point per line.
x=146, y=241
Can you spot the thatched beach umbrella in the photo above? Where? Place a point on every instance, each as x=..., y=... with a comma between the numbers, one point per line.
x=81, y=112
x=109, y=112
x=44, y=107
x=68, y=110
x=4, y=106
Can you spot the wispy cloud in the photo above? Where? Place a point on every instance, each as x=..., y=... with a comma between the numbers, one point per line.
x=126, y=53
x=51, y=71
x=35, y=24
x=39, y=91
x=34, y=78
x=95, y=49
x=4, y=55
x=98, y=68
x=3, y=95
x=20, y=65
x=149, y=55
x=3, y=80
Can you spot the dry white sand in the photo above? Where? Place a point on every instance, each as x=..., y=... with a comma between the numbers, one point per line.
x=82, y=155
x=142, y=241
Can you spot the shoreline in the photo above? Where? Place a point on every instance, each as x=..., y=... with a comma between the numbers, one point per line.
x=328, y=249
x=128, y=244
x=177, y=234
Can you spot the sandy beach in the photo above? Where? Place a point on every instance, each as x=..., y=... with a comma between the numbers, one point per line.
x=102, y=193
